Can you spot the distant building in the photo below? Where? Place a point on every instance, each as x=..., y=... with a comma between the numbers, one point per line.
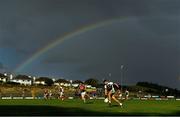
x=75, y=84
x=11, y=77
x=40, y=82
x=25, y=80
x=88, y=86
x=3, y=78
x=62, y=82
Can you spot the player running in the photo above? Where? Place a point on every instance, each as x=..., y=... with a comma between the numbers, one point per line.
x=126, y=94
x=111, y=90
x=61, y=93
x=46, y=94
x=83, y=93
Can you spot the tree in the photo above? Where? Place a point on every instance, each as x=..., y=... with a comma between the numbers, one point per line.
x=47, y=80
x=2, y=75
x=22, y=77
x=62, y=81
x=77, y=81
x=93, y=82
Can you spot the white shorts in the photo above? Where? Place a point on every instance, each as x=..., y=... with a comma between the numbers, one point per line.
x=83, y=94
x=120, y=95
x=61, y=94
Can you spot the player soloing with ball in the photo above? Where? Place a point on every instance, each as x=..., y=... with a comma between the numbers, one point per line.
x=111, y=91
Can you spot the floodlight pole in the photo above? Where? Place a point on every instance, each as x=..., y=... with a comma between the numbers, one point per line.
x=109, y=76
x=122, y=66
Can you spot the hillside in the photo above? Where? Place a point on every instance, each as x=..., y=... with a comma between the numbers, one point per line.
x=153, y=89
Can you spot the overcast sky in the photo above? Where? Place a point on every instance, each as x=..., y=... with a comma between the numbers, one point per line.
x=145, y=38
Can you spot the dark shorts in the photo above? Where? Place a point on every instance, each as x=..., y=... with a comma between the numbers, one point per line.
x=83, y=91
x=112, y=94
x=115, y=93
x=109, y=89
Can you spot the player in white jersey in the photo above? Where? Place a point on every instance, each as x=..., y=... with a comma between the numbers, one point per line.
x=111, y=90
x=126, y=94
x=61, y=93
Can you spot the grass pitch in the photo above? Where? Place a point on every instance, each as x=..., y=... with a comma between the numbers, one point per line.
x=92, y=107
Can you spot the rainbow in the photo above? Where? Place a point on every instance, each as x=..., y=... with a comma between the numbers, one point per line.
x=67, y=36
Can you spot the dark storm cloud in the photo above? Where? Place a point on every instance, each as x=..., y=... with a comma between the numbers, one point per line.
x=1, y=66
x=38, y=22
x=59, y=58
x=35, y=23
x=147, y=43
x=149, y=56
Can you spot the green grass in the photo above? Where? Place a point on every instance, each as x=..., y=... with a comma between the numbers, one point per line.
x=92, y=107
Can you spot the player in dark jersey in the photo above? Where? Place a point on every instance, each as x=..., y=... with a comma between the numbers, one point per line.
x=111, y=91
x=83, y=92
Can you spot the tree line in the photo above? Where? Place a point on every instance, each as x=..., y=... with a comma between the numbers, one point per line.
x=145, y=86
x=159, y=89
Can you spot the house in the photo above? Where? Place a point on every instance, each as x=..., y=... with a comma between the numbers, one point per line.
x=62, y=82
x=22, y=79
x=43, y=81
x=3, y=78
x=39, y=82
x=88, y=86
x=75, y=84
